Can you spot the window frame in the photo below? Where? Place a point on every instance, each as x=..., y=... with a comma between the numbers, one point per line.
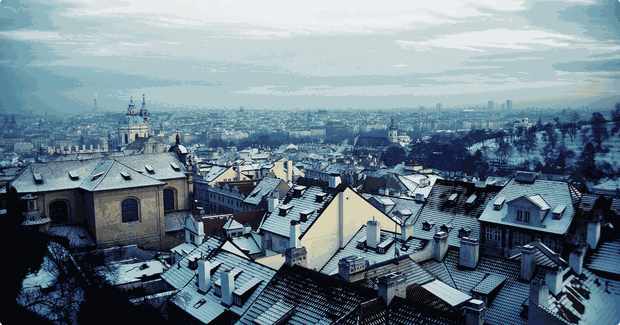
x=519, y=215
x=138, y=214
x=526, y=216
x=174, y=198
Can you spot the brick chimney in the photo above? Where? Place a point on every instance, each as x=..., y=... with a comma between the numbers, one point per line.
x=391, y=285
x=373, y=233
x=575, y=259
x=475, y=312
x=351, y=265
x=228, y=287
x=469, y=252
x=539, y=294
x=528, y=262
x=204, y=276
x=441, y=245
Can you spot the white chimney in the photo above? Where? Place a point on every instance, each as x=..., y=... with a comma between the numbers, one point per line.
x=204, y=275
x=295, y=232
x=373, y=233
x=391, y=285
x=469, y=252
x=441, y=245
x=334, y=180
x=239, y=172
x=539, y=294
x=201, y=232
x=272, y=203
x=228, y=287
x=289, y=171
x=553, y=278
x=528, y=262
x=351, y=265
x=575, y=260
x=594, y=233
x=406, y=231
x=475, y=312
x=246, y=229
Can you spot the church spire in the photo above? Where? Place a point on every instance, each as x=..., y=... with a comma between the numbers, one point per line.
x=178, y=139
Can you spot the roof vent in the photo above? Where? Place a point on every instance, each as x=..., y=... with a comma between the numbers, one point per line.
x=126, y=176
x=453, y=198
x=464, y=232
x=446, y=227
x=38, y=178
x=427, y=225
x=424, y=182
x=175, y=167
x=97, y=175
x=558, y=211
x=525, y=177
x=150, y=169
x=299, y=190
x=419, y=197
x=74, y=175
x=499, y=203
x=284, y=208
x=304, y=215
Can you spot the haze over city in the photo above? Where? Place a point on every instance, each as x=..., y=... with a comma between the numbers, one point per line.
x=274, y=54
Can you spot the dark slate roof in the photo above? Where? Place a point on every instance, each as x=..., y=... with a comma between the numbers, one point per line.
x=265, y=187
x=132, y=120
x=372, y=142
x=577, y=233
x=458, y=215
x=606, y=259
x=489, y=284
x=308, y=297
x=417, y=293
x=215, y=223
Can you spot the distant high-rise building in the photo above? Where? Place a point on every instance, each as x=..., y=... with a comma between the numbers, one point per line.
x=95, y=108
x=490, y=105
x=438, y=106
x=503, y=106
x=509, y=104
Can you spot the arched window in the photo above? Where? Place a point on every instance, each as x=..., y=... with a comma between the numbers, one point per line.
x=168, y=199
x=130, y=210
x=59, y=211
x=126, y=138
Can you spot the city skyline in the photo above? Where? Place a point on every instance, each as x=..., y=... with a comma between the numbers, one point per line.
x=274, y=55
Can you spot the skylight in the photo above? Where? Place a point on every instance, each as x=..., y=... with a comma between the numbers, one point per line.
x=97, y=175
x=149, y=169
x=38, y=178
x=74, y=175
x=175, y=167
x=126, y=176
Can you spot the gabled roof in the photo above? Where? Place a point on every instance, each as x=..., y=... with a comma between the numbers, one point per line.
x=404, y=208
x=266, y=186
x=207, y=307
x=116, y=176
x=232, y=224
x=215, y=172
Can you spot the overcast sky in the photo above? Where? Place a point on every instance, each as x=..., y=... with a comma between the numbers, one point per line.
x=333, y=54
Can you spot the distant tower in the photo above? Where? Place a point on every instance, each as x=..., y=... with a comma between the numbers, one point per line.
x=131, y=127
x=490, y=105
x=144, y=113
x=95, y=108
x=509, y=104
x=438, y=106
x=392, y=133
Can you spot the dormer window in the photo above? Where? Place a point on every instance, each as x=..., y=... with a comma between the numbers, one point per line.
x=320, y=197
x=149, y=169
x=304, y=215
x=452, y=198
x=299, y=190
x=446, y=228
x=471, y=199
x=284, y=209
x=558, y=211
x=38, y=178
x=526, y=216
x=419, y=197
x=464, y=232
x=519, y=215
x=175, y=167
x=427, y=225
x=126, y=176
x=499, y=203
x=74, y=175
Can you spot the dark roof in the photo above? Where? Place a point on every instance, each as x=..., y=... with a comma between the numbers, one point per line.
x=606, y=259
x=214, y=224
x=372, y=142
x=244, y=187
x=417, y=293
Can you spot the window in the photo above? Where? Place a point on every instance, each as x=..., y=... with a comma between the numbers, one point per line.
x=519, y=215
x=129, y=208
x=192, y=238
x=59, y=211
x=268, y=243
x=526, y=216
x=168, y=199
x=283, y=244
x=520, y=239
x=31, y=205
x=494, y=234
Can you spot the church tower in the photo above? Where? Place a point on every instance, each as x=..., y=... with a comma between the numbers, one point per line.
x=392, y=133
x=133, y=126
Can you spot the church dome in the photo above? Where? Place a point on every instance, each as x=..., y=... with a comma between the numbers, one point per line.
x=132, y=120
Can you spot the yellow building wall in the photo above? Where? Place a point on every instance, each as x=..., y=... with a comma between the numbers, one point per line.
x=108, y=217
x=182, y=193
x=229, y=175
x=77, y=210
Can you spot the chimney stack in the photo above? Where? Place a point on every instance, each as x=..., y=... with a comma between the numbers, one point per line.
x=246, y=228
x=441, y=245
x=553, y=278
x=204, y=276
x=475, y=312
x=239, y=171
x=391, y=285
x=528, y=262
x=349, y=266
x=575, y=260
x=334, y=180
x=295, y=231
x=406, y=231
x=272, y=202
x=289, y=171
x=539, y=294
x=373, y=233
x=469, y=252
x=228, y=287
x=594, y=233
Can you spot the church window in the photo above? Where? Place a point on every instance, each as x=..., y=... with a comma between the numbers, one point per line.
x=126, y=138
x=130, y=210
x=168, y=199
x=59, y=211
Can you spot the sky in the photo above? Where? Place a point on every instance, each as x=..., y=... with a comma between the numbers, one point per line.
x=281, y=54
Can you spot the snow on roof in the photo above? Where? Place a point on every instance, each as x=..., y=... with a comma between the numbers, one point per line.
x=446, y=293
x=134, y=272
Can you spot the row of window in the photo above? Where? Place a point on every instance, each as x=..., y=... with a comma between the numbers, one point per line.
x=523, y=216
x=494, y=234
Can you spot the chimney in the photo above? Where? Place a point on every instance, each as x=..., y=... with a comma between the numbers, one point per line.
x=238, y=172
x=289, y=171
x=594, y=233
x=575, y=260
x=246, y=228
x=334, y=180
x=553, y=278
x=228, y=286
x=475, y=312
x=539, y=294
x=201, y=232
x=204, y=276
x=83, y=148
x=528, y=262
x=441, y=245
x=351, y=265
x=373, y=233
x=295, y=232
x=391, y=285
x=406, y=231
x=272, y=202
x=469, y=252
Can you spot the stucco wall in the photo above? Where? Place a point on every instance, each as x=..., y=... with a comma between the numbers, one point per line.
x=77, y=209
x=182, y=193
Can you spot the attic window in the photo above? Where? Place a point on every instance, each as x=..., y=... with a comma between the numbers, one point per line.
x=497, y=205
x=427, y=225
x=320, y=197
x=284, y=209
x=446, y=228
x=299, y=190
x=464, y=232
x=452, y=198
x=361, y=243
x=97, y=176
x=126, y=176
x=304, y=215
x=558, y=211
x=175, y=167
x=471, y=199
x=242, y=293
x=149, y=169
x=73, y=175
x=38, y=178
